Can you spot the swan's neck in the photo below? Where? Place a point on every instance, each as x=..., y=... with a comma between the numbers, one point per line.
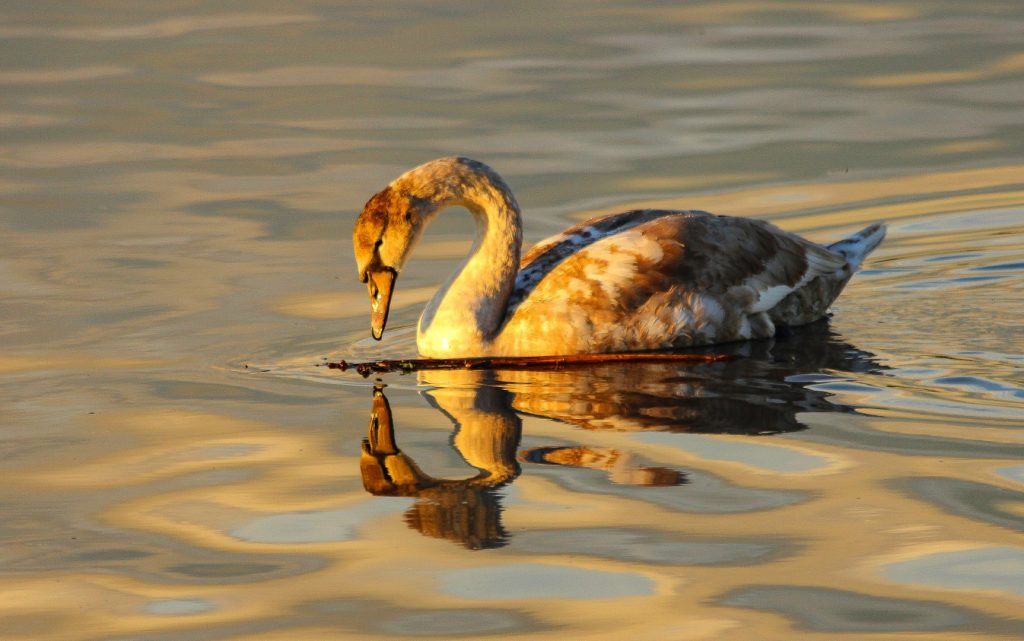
x=467, y=311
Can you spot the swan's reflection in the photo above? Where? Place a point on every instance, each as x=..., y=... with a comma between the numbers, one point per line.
x=761, y=392
x=465, y=510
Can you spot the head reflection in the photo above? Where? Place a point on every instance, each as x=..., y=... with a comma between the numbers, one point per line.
x=761, y=392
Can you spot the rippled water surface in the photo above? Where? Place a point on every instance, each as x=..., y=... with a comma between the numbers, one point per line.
x=178, y=185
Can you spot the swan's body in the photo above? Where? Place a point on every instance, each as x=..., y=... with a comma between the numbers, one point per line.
x=639, y=280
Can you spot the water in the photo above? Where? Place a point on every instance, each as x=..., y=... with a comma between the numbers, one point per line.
x=179, y=183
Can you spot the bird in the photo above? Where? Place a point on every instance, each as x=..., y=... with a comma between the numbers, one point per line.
x=640, y=280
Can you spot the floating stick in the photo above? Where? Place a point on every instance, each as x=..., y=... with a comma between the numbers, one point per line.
x=521, y=362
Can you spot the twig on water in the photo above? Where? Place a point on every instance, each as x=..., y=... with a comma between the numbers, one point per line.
x=524, y=362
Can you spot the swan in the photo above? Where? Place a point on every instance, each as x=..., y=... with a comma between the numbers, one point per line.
x=641, y=280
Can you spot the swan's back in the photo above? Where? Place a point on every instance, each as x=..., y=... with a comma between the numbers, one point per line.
x=654, y=279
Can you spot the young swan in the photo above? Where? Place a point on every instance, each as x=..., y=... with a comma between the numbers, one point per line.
x=640, y=280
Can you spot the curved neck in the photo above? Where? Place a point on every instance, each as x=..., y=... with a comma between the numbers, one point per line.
x=467, y=311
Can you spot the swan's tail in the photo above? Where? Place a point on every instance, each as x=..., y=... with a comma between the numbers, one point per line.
x=858, y=246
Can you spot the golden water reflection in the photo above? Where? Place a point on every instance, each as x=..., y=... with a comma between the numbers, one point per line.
x=179, y=185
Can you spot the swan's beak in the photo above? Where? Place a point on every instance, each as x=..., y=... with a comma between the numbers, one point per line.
x=380, y=284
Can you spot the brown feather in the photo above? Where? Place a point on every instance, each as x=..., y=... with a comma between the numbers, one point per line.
x=694, y=278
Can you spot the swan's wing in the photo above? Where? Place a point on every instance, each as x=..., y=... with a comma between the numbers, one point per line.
x=572, y=239
x=649, y=275
x=649, y=249
x=549, y=253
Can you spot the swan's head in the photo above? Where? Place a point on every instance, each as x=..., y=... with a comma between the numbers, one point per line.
x=381, y=462
x=385, y=233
